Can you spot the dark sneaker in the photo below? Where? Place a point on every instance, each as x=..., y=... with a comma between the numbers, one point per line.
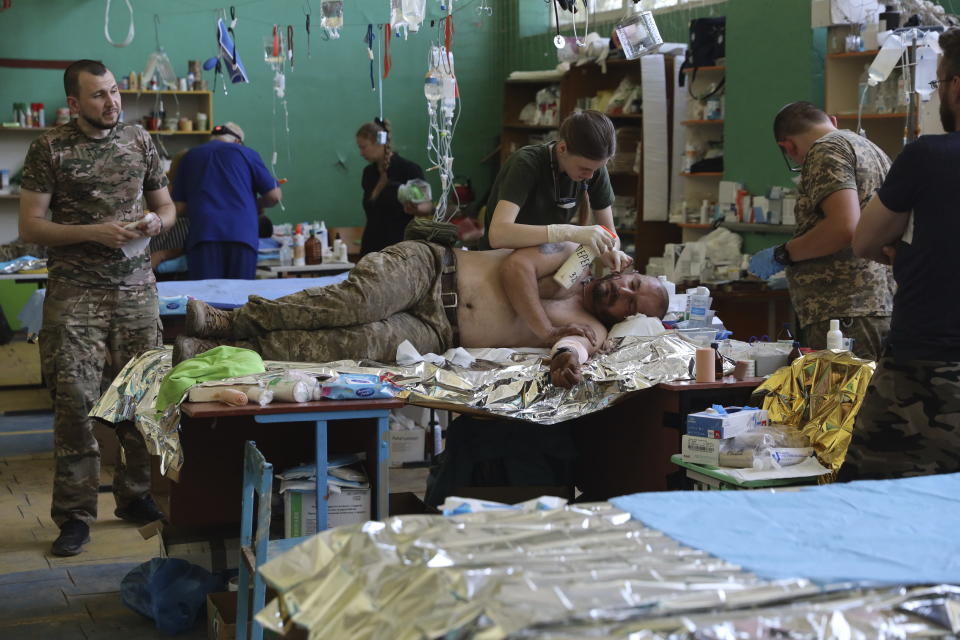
x=204, y=321
x=185, y=347
x=141, y=511
x=73, y=535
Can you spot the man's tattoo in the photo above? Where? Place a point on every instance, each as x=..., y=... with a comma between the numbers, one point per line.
x=552, y=247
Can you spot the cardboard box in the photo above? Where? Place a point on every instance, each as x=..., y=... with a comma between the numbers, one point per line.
x=709, y=424
x=222, y=615
x=700, y=450
x=350, y=506
x=406, y=445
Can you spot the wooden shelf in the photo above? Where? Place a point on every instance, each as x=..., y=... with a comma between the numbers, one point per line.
x=172, y=132
x=693, y=225
x=754, y=227
x=631, y=174
x=852, y=54
x=626, y=116
x=531, y=127
x=26, y=129
x=713, y=68
x=870, y=116
x=703, y=174
x=9, y=196
x=698, y=123
x=164, y=92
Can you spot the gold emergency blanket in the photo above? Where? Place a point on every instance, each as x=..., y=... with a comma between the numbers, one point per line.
x=515, y=386
x=820, y=394
x=583, y=571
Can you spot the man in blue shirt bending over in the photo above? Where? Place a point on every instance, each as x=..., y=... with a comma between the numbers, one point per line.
x=222, y=185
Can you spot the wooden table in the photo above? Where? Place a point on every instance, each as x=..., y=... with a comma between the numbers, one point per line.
x=288, y=434
x=626, y=448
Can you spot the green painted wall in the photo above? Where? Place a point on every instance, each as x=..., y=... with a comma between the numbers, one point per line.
x=328, y=96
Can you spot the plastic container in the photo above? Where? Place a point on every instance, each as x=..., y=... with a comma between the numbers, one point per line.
x=886, y=60
x=638, y=34
x=834, y=336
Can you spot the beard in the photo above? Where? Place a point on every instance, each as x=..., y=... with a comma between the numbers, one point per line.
x=99, y=123
x=947, y=118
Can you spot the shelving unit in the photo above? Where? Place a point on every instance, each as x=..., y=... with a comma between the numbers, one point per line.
x=699, y=132
x=14, y=141
x=516, y=95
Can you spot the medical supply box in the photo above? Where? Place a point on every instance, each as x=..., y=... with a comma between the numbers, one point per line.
x=714, y=424
x=700, y=450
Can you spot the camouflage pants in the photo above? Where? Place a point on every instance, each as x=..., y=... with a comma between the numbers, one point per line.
x=909, y=424
x=868, y=333
x=87, y=336
x=390, y=296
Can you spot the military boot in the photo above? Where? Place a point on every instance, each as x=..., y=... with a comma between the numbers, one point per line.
x=204, y=321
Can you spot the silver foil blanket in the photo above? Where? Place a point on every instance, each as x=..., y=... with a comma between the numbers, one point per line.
x=516, y=387
x=583, y=571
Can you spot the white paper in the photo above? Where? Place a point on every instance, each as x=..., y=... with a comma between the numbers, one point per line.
x=806, y=469
x=680, y=97
x=136, y=246
x=656, y=159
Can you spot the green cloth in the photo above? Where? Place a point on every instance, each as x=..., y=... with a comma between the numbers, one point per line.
x=216, y=364
x=443, y=233
x=527, y=180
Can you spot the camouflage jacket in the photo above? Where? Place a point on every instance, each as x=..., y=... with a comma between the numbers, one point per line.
x=839, y=285
x=93, y=181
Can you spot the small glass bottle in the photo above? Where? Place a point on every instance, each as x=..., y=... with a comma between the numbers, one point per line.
x=794, y=353
x=717, y=360
x=312, y=249
x=785, y=334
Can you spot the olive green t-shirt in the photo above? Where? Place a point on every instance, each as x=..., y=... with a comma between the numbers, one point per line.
x=528, y=180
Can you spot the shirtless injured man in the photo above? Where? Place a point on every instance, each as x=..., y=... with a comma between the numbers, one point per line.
x=437, y=298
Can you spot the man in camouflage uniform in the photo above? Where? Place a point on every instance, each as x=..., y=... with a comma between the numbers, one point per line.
x=101, y=301
x=839, y=171
x=909, y=424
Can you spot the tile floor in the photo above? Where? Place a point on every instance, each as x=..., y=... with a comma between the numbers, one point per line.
x=43, y=597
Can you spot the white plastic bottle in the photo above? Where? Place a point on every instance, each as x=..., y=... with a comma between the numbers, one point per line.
x=299, y=254
x=699, y=303
x=337, y=243
x=286, y=253
x=569, y=272
x=886, y=59
x=323, y=236
x=834, y=337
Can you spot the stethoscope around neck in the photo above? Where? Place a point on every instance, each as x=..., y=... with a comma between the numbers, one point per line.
x=569, y=202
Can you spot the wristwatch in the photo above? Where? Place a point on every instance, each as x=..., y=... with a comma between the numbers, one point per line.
x=782, y=255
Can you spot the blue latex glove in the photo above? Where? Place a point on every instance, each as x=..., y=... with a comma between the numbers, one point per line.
x=763, y=265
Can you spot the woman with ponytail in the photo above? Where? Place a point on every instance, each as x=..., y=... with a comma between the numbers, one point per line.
x=386, y=218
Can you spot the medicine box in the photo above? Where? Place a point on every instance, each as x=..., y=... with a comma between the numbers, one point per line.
x=711, y=424
x=406, y=445
x=700, y=450
x=349, y=506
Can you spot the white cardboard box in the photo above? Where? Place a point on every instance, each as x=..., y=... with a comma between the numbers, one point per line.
x=349, y=506
x=700, y=450
x=406, y=445
x=709, y=424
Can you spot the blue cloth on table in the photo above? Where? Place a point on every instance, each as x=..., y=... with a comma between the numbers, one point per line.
x=225, y=294
x=873, y=531
x=233, y=293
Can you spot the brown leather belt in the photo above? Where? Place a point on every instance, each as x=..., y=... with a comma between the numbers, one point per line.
x=448, y=292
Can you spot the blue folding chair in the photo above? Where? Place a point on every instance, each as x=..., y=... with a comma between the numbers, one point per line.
x=255, y=549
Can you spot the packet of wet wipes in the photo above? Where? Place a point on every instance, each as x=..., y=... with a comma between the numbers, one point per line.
x=357, y=386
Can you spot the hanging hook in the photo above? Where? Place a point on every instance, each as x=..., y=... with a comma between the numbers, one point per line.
x=156, y=29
